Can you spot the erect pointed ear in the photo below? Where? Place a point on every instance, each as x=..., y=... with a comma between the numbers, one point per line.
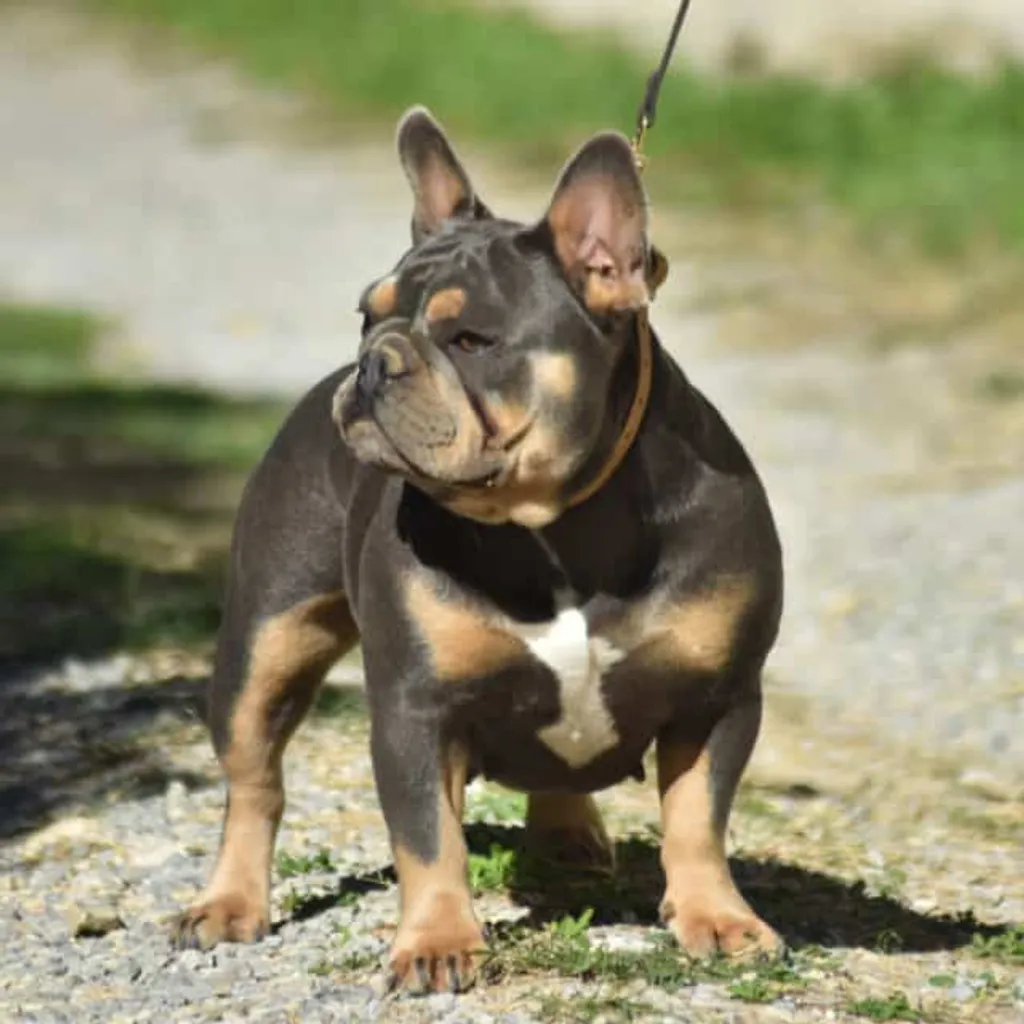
x=440, y=186
x=597, y=221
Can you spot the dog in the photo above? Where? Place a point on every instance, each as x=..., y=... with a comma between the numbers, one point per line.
x=554, y=553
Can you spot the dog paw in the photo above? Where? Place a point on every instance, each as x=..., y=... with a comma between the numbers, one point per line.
x=703, y=929
x=438, y=952
x=229, y=918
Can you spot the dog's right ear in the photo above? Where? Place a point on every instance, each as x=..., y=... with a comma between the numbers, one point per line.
x=440, y=186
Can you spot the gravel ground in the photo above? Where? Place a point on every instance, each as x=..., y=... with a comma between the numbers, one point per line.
x=895, y=751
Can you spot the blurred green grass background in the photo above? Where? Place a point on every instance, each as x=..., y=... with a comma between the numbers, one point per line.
x=912, y=149
x=116, y=497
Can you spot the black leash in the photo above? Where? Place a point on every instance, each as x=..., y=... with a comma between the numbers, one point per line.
x=645, y=115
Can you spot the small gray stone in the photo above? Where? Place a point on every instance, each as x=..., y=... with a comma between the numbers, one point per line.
x=93, y=921
x=176, y=801
x=441, y=1002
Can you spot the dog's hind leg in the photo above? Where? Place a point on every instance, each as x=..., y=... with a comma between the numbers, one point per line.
x=280, y=673
x=286, y=621
x=566, y=829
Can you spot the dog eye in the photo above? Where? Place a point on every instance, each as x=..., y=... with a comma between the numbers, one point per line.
x=467, y=341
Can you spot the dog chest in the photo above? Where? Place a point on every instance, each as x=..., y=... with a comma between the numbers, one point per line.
x=578, y=660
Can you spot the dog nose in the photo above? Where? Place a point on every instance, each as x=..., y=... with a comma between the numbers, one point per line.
x=373, y=372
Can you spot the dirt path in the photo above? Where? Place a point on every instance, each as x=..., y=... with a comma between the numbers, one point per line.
x=896, y=740
x=808, y=35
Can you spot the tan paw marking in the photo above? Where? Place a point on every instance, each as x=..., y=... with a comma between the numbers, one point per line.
x=704, y=927
x=229, y=918
x=437, y=953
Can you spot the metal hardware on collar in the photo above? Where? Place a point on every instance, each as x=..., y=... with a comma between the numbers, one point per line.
x=648, y=108
x=635, y=416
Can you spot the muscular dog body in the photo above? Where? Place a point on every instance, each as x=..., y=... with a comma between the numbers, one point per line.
x=551, y=547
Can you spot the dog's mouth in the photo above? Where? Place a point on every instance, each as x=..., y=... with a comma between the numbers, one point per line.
x=487, y=479
x=444, y=443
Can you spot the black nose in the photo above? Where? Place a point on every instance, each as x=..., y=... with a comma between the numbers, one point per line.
x=373, y=372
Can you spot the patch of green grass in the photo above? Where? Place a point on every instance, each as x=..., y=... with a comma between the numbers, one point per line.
x=117, y=497
x=493, y=871
x=582, y=1009
x=890, y=882
x=44, y=346
x=892, y=1007
x=888, y=941
x=352, y=962
x=340, y=702
x=294, y=902
x=1003, y=385
x=766, y=982
x=63, y=587
x=292, y=865
x=913, y=148
x=564, y=947
x=753, y=805
x=496, y=804
x=1005, y=947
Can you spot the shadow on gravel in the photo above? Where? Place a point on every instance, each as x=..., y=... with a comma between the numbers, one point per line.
x=59, y=748
x=349, y=887
x=806, y=907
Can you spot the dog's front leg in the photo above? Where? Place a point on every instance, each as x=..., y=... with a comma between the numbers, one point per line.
x=421, y=781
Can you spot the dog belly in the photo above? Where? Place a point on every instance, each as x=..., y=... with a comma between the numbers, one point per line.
x=518, y=760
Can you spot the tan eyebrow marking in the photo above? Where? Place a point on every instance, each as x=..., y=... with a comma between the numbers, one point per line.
x=446, y=304
x=383, y=297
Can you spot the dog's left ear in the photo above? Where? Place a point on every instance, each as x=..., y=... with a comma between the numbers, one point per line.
x=440, y=185
x=597, y=224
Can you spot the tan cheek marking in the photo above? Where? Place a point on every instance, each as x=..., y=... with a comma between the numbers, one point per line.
x=541, y=460
x=555, y=375
x=384, y=297
x=530, y=496
x=508, y=418
x=461, y=644
x=700, y=633
x=446, y=304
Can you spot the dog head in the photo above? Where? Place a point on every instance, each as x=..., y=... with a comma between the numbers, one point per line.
x=488, y=354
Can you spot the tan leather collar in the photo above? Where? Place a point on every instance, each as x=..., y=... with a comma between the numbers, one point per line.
x=645, y=365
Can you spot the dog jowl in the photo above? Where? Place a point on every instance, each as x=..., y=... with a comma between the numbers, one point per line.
x=554, y=554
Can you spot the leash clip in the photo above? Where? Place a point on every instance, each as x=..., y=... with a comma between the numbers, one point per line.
x=645, y=115
x=637, y=143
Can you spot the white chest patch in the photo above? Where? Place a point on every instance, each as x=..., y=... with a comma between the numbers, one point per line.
x=586, y=728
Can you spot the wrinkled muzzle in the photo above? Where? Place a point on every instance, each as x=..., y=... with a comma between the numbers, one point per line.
x=405, y=409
